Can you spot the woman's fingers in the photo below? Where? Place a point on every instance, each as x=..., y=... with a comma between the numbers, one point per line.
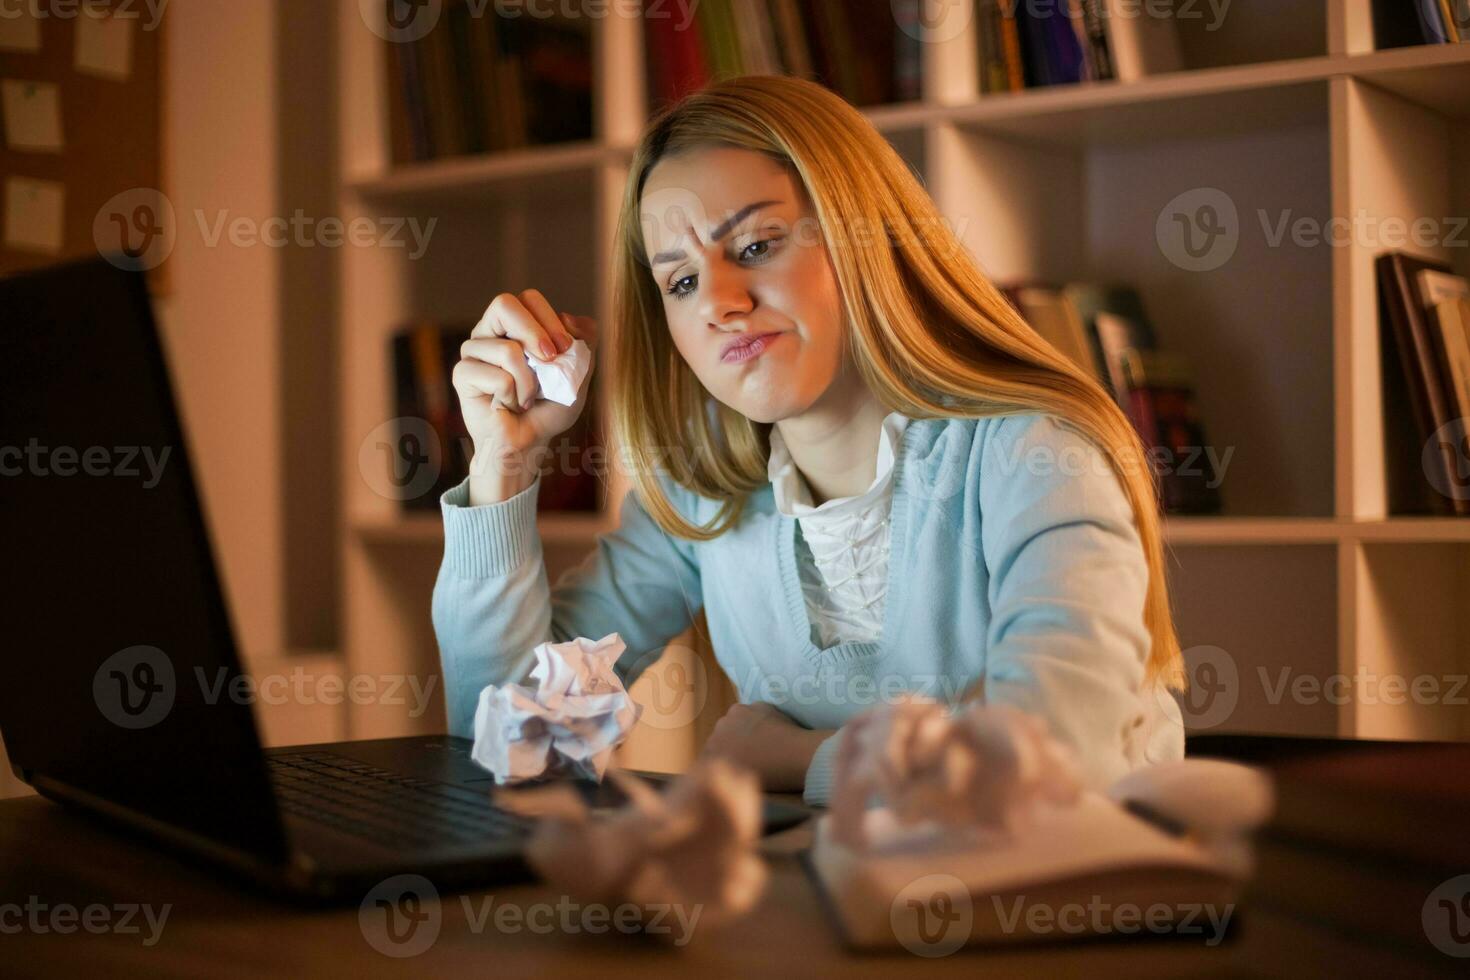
x=546, y=316
x=476, y=379
x=582, y=327
x=508, y=355
x=507, y=316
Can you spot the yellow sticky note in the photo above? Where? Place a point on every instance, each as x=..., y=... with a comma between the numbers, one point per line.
x=34, y=210
x=32, y=114
x=104, y=46
x=19, y=29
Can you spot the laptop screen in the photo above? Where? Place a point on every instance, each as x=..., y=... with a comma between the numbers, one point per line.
x=118, y=650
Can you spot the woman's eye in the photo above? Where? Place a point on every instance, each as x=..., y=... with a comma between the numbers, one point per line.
x=764, y=245
x=678, y=293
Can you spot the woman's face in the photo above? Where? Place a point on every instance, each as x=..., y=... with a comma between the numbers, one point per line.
x=735, y=249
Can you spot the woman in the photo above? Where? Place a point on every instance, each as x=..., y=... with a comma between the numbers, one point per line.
x=853, y=455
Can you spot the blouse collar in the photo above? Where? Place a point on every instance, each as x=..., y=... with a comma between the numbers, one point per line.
x=794, y=499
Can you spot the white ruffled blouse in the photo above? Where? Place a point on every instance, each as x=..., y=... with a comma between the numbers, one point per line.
x=842, y=550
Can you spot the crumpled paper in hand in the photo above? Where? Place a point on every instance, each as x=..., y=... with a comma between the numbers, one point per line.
x=571, y=721
x=985, y=770
x=692, y=846
x=561, y=378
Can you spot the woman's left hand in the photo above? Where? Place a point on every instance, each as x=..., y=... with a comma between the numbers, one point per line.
x=763, y=739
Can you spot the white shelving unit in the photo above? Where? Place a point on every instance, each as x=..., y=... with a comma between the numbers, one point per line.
x=1285, y=107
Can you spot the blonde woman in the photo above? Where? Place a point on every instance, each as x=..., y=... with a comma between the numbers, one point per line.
x=847, y=449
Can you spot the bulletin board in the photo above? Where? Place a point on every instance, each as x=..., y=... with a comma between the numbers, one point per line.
x=80, y=129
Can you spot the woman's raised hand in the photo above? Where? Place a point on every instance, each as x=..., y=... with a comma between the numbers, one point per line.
x=498, y=390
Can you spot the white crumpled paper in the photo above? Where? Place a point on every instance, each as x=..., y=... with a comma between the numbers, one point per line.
x=984, y=770
x=571, y=721
x=561, y=378
x=692, y=846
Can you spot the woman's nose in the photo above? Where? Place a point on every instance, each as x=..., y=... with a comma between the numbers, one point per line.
x=726, y=293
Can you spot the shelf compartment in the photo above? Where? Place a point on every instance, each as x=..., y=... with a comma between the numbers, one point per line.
x=1412, y=640
x=1257, y=327
x=1253, y=623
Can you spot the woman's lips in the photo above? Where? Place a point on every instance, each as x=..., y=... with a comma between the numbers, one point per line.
x=749, y=349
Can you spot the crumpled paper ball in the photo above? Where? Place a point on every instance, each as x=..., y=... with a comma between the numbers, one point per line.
x=561, y=378
x=574, y=718
x=984, y=770
x=693, y=845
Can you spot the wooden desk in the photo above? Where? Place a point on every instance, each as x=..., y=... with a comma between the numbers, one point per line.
x=216, y=927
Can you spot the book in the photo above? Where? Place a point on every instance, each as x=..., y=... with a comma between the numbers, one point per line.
x=1097, y=854
x=1431, y=21
x=1410, y=338
x=1161, y=404
x=676, y=58
x=1116, y=335
x=868, y=51
x=1053, y=315
x=1090, y=299
x=1141, y=43
x=468, y=86
x=1452, y=318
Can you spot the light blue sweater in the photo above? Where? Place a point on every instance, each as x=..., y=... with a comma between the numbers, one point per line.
x=1015, y=575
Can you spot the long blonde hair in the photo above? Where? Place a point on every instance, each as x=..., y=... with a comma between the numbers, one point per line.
x=931, y=336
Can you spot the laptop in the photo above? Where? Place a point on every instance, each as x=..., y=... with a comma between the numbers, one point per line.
x=121, y=651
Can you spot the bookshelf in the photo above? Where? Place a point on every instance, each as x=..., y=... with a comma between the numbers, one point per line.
x=1286, y=107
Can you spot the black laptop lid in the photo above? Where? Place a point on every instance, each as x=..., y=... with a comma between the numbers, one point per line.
x=116, y=637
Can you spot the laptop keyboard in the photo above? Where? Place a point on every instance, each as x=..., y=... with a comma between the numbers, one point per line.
x=385, y=806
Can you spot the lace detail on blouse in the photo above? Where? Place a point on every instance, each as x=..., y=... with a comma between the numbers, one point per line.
x=843, y=545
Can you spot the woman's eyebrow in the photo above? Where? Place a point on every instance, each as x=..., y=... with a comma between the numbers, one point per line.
x=720, y=231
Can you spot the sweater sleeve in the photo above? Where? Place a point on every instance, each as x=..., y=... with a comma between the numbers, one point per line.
x=1067, y=583
x=492, y=604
